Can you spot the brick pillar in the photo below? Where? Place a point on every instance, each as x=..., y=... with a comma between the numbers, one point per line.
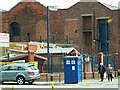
x=100, y=57
x=31, y=56
x=117, y=63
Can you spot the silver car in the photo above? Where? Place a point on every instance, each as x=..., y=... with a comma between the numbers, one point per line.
x=19, y=73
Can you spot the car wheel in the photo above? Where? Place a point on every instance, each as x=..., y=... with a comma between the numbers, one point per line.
x=30, y=82
x=20, y=80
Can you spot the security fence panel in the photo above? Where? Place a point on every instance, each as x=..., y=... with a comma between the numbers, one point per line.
x=56, y=64
x=109, y=59
x=95, y=63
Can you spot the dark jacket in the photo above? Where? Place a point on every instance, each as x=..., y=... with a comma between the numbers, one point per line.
x=101, y=69
x=109, y=70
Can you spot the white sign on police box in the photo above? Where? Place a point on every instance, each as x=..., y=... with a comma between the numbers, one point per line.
x=4, y=40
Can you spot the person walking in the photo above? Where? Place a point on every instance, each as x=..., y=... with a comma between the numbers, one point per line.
x=109, y=72
x=101, y=71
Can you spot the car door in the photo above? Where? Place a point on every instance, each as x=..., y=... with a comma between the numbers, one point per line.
x=4, y=73
x=12, y=73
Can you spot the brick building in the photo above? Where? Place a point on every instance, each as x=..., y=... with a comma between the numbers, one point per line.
x=26, y=18
x=119, y=36
x=84, y=22
x=90, y=27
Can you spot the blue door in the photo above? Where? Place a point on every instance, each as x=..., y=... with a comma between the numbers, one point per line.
x=74, y=73
x=67, y=70
x=104, y=35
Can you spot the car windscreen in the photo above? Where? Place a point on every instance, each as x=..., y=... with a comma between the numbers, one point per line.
x=31, y=67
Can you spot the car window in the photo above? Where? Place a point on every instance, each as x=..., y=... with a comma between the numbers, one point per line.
x=1, y=66
x=4, y=68
x=20, y=68
x=12, y=67
x=32, y=67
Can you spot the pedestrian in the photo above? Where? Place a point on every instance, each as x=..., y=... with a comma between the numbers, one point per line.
x=109, y=72
x=101, y=71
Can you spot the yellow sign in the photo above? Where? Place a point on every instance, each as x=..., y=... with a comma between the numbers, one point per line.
x=6, y=62
x=109, y=20
x=34, y=63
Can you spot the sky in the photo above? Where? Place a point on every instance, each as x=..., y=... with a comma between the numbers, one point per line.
x=8, y=4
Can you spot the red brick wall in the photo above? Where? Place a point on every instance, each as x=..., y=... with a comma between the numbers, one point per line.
x=80, y=9
x=32, y=19
x=71, y=30
x=119, y=39
x=28, y=15
x=31, y=56
x=5, y=25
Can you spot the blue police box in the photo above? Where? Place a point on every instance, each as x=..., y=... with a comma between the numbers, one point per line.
x=72, y=69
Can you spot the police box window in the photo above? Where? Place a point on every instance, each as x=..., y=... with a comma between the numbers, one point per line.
x=67, y=61
x=73, y=62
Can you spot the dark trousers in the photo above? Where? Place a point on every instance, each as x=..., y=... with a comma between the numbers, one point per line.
x=101, y=76
x=109, y=77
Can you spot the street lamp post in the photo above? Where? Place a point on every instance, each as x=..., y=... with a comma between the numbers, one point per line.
x=48, y=35
x=94, y=30
x=48, y=38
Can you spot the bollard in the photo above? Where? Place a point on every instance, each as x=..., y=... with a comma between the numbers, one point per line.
x=59, y=77
x=52, y=86
x=46, y=77
x=12, y=87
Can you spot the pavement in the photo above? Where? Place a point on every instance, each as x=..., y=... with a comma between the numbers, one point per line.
x=86, y=83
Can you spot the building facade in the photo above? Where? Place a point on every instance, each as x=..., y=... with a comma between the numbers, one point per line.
x=27, y=20
x=91, y=27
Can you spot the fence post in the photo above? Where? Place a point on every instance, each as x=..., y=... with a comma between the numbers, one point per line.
x=93, y=66
x=59, y=77
x=46, y=77
x=115, y=65
x=84, y=67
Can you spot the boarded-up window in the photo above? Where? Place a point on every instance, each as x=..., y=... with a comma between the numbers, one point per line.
x=15, y=32
x=15, y=29
x=87, y=23
x=87, y=30
x=87, y=38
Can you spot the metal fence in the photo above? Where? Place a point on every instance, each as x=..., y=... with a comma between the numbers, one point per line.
x=56, y=64
x=94, y=62
x=91, y=65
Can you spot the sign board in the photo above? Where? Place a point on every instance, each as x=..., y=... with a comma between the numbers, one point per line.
x=19, y=61
x=4, y=40
x=34, y=63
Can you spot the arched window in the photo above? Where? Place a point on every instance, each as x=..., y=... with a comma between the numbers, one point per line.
x=15, y=32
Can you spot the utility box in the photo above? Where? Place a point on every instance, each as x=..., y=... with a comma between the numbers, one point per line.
x=72, y=69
